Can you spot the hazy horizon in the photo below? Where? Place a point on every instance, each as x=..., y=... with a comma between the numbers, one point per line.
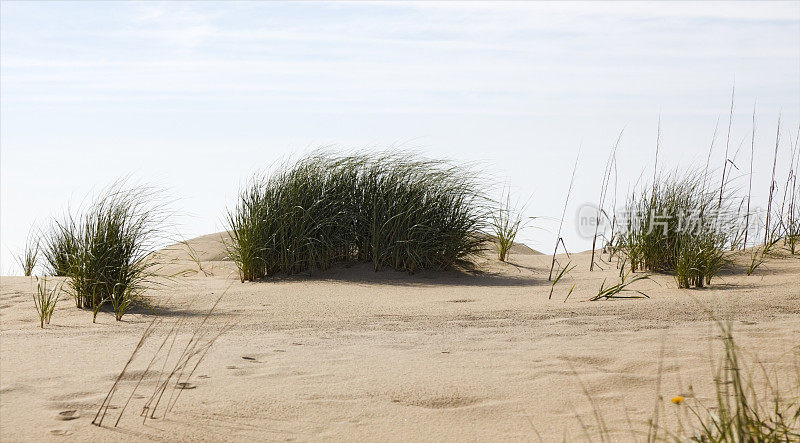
x=196, y=97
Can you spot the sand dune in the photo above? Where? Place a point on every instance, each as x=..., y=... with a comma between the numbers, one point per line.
x=353, y=354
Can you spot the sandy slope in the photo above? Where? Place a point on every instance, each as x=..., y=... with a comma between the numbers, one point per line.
x=353, y=354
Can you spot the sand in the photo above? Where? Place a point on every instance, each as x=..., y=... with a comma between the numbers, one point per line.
x=351, y=354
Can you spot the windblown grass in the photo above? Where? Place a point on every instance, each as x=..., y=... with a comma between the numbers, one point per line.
x=742, y=410
x=45, y=300
x=773, y=185
x=195, y=257
x=676, y=226
x=601, y=212
x=759, y=255
x=177, y=364
x=560, y=239
x=60, y=246
x=392, y=210
x=563, y=272
x=621, y=289
x=505, y=224
x=30, y=255
x=103, y=250
x=792, y=238
x=790, y=211
x=740, y=414
x=750, y=183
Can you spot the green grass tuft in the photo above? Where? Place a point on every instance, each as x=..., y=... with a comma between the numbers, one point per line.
x=30, y=255
x=505, y=224
x=45, y=300
x=103, y=251
x=60, y=245
x=564, y=271
x=392, y=210
x=677, y=227
x=621, y=289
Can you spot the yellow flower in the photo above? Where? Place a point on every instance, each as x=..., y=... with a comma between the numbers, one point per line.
x=677, y=399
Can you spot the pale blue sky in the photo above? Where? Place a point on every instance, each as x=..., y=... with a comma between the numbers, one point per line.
x=197, y=96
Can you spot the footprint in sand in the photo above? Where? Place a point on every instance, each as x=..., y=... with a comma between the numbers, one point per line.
x=60, y=432
x=72, y=414
x=446, y=401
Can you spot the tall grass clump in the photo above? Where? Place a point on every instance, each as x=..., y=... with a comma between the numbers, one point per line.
x=391, y=210
x=677, y=227
x=103, y=250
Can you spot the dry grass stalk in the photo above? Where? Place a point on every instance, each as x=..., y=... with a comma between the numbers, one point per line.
x=750, y=187
x=727, y=147
x=772, y=184
x=603, y=192
x=180, y=370
x=563, y=214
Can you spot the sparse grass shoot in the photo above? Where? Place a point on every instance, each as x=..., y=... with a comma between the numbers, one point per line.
x=30, y=255
x=45, y=300
x=506, y=222
x=195, y=257
x=759, y=255
x=564, y=271
x=621, y=289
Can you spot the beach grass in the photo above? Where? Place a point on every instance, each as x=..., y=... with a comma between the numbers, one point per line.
x=103, y=250
x=178, y=365
x=30, y=254
x=563, y=272
x=60, y=245
x=45, y=300
x=393, y=210
x=742, y=412
x=750, y=403
x=194, y=256
x=677, y=227
x=505, y=224
x=621, y=289
x=790, y=211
